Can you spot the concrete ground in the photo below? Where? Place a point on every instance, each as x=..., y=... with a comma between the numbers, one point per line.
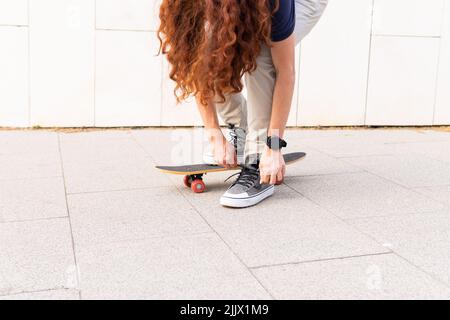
x=86, y=215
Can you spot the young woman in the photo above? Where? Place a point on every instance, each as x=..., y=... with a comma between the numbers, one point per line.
x=211, y=45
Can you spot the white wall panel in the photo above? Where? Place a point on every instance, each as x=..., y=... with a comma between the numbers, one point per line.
x=62, y=48
x=14, y=12
x=334, y=63
x=402, y=81
x=408, y=17
x=173, y=114
x=442, y=111
x=127, y=14
x=14, y=77
x=128, y=79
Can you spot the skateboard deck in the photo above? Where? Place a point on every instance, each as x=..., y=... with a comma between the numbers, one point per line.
x=194, y=173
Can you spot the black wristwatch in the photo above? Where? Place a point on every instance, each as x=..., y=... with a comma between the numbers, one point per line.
x=276, y=143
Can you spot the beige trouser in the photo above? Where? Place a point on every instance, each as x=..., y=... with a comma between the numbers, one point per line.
x=253, y=115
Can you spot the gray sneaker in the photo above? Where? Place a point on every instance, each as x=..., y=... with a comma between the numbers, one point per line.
x=237, y=137
x=246, y=191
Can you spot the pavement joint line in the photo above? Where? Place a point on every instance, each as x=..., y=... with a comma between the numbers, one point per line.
x=442, y=211
x=27, y=179
x=404, y=214
x=68, y=215
x=33, y=220
x=149, y=238
x=324, y=174
x=37, y=291
x=118, y=190
x=32, y=179
x=321, y=260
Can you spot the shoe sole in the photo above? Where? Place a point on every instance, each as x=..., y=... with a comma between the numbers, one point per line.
x=247, y=202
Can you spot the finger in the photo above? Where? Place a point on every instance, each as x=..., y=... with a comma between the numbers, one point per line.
x=280, y=176
x=265, y=179
x=273, y=179
x=219, y=159
x=232, y=159
x=224, y=161
x=226, y=156
x=261, y=177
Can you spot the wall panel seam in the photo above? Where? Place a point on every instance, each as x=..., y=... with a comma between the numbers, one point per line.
x=29, y=64
x=95, y=65
x=369, y=60
x=444, y=7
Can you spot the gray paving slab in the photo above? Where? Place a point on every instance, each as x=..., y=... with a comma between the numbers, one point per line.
x=26, y=142
x=410, y=171
x=441, y=193
x=368, y=278
x=62, y=294
x=108, y=163
x=372, y=136
x=356, y=195
x=29, y=166
x=97, y=146
x=113, y=175
x=317, y=163
x=437, y=150
x=132, y=215
x=35, y=256
x=194, y=267
x=422, y=239
x=354, y=143
x=285, y=228
x=32, y=199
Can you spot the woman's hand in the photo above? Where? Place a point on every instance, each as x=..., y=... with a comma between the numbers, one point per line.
x=224, y=152
x=272, y=167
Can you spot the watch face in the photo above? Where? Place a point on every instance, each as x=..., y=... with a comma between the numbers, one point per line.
x=276, y=143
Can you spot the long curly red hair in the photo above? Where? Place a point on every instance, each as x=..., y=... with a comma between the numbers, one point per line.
x=211, y=44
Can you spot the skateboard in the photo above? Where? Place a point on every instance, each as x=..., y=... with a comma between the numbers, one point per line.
x=193, y=174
